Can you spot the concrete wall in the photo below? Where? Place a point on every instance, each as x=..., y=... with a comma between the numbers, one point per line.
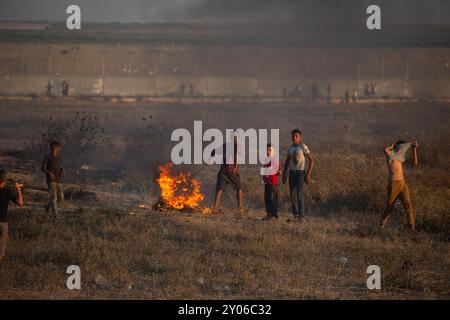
x=238, y=71
x=219, y=87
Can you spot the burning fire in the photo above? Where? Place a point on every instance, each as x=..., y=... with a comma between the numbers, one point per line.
x=179, y=191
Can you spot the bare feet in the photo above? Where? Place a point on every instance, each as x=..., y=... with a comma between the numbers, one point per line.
x=216, y=211
x=383, y=223
x=410, y=228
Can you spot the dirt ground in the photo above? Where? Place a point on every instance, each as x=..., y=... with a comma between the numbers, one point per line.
x=126, y=250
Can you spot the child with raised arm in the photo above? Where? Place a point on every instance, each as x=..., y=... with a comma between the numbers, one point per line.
x=397, y=187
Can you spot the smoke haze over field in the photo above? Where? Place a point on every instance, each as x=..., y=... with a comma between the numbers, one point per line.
x=143, y=11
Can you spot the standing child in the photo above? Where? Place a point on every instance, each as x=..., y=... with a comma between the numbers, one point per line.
x=229, y=173
x=295, y=163
x=7, y=195
x=271, y=185
x=397, y=187
x=54, y=174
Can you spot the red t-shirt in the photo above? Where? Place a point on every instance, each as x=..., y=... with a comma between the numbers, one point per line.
x=273, y=177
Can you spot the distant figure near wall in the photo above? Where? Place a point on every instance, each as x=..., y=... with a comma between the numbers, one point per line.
x=373, y=90
x=298, y=91
x=315, y=91
x=329, y=93
x=65, y=88
x=182, y=89
x=49, y=87
x=366, y=91
x=355, y=95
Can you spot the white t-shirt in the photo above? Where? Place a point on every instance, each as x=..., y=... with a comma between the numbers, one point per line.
x=298, y=159
x=400, y=154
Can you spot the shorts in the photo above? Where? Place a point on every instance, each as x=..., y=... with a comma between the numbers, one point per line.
x=224, y=179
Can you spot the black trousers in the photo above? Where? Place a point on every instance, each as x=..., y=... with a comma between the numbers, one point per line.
x=271, y=199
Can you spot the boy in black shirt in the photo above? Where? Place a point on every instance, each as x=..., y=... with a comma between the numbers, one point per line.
x=54, y=173
x=7, y=195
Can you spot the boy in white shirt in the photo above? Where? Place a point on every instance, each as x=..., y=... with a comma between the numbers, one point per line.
x=295, y=163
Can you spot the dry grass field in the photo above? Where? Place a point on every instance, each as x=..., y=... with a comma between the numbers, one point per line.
x=127, y=251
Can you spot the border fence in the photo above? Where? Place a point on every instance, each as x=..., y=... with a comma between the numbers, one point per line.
x=224, y=71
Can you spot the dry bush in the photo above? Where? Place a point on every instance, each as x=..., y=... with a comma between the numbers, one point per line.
x=82, y=138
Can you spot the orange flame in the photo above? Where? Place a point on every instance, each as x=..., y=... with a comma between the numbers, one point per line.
x=179, y=191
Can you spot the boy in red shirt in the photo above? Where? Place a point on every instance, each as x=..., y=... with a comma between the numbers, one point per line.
x=271, y=185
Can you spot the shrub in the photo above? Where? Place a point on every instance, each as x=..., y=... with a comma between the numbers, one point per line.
x=80, y=138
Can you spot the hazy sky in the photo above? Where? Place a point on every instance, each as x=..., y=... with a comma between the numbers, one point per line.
x=400, y=11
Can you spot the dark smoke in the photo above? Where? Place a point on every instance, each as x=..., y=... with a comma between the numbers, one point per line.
x=308, y=11
x=313, y=11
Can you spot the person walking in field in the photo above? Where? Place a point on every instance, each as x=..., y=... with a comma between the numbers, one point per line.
x=7, y=195
x=54, y=174
x=229, y=174
x=271, y=185
x=295, y=165
x=397, y=187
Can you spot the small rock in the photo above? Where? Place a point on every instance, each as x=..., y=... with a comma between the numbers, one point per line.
x=101, y=281
x=86, y=167
x=201, y=280
x=342, y=260
x=407, y=265
x=231, y=275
